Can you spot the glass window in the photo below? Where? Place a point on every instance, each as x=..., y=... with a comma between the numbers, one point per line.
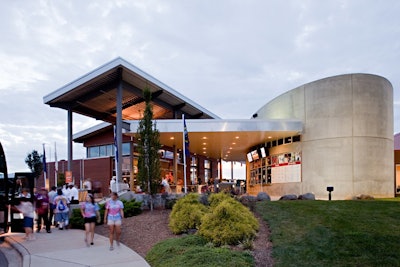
x=194, y=161
x=110, y=150
x=102, y=151
x=126, y=149
x=206, y=164
x=207, y=173
x=193, y=175
x=93, y=152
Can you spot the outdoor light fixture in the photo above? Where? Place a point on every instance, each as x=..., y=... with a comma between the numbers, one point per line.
x=329, y=189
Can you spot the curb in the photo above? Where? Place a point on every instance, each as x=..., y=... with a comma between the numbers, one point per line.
x=22, y=251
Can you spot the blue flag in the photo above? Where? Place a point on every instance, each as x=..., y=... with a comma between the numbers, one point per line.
x=187, y=152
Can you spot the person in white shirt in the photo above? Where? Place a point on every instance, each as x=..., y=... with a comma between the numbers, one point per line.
x=52, y=195
x=113, y=185
x=165, y=183
x=66, y=192
x=87, y=184
x=74, y=194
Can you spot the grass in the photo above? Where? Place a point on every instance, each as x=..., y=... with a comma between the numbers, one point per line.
x=334, y=233
x=192, y=250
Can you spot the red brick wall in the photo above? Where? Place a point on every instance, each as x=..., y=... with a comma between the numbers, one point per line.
x=105, y=138
x=99, y=170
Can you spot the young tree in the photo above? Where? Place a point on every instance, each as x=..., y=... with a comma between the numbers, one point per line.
x=35, y=163
x=148, y=147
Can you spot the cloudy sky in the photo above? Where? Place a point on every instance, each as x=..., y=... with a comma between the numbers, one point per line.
x=231, y=57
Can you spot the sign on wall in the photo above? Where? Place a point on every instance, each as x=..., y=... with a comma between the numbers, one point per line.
x=286, y=168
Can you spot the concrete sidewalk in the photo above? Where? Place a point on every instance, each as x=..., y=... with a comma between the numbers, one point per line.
x=67, y=248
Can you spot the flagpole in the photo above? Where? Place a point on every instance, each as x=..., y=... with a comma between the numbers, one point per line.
x=184, y=153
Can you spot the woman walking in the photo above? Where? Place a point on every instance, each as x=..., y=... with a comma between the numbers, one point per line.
x=89, y=211
x=26, y=208
x=113, y=217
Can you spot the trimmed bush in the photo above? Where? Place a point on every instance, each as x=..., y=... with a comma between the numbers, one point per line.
x=186, y=214
x=132, y=208
x=191, y=250
x=76, y=221
x=169, y=203
x=102, y=210
x=229, y=223
x=216, y=199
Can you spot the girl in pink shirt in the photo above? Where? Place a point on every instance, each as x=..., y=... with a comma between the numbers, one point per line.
x=113, y=217
x=89, y=211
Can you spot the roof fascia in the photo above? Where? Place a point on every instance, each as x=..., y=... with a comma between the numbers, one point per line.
x=114, y=64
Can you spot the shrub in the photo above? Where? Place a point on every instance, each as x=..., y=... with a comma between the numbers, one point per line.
x=169, y=203
x=229, y=223
x=186, y=214
x=204, y=199
x=216, y=199
x=76, y=221
x=132, y=208
x=191, y=250
x=102, y=210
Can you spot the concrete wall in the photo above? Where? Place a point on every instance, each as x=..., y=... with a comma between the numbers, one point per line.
x=348, y=135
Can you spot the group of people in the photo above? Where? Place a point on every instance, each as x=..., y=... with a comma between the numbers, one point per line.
x=56, y=203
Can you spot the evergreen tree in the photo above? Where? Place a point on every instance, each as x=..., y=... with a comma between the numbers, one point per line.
x=35, y=163
x=148, y=147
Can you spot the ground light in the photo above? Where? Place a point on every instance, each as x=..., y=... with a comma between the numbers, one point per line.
x=329, y=189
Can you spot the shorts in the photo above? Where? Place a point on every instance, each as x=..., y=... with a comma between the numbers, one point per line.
x=114, y=222
x=61, y=216
x=90, y=219
x=28, y=222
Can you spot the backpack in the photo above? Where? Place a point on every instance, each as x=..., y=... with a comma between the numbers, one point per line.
x=61, y=205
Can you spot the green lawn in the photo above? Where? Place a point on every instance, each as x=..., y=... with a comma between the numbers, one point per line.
x=334, y=233
x=191, y=250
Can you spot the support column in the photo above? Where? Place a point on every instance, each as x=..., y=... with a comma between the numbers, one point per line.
x=231, y=171
x=69, y=141
x=119, y=127
x=175, y=163
x=132, y=163
x=220, y=170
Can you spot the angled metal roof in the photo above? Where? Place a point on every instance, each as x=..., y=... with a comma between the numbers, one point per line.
x=94, y=95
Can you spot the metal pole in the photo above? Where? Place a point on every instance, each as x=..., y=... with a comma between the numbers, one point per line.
x=55, y=165
x=119, y=128
x=45, y=170
x=184, y=154
x=69, y=130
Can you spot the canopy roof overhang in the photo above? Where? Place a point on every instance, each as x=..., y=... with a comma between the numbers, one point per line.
x=95, y=95
x=229, y=140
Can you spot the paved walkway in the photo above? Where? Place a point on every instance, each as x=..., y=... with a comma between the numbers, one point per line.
x=67, y=248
